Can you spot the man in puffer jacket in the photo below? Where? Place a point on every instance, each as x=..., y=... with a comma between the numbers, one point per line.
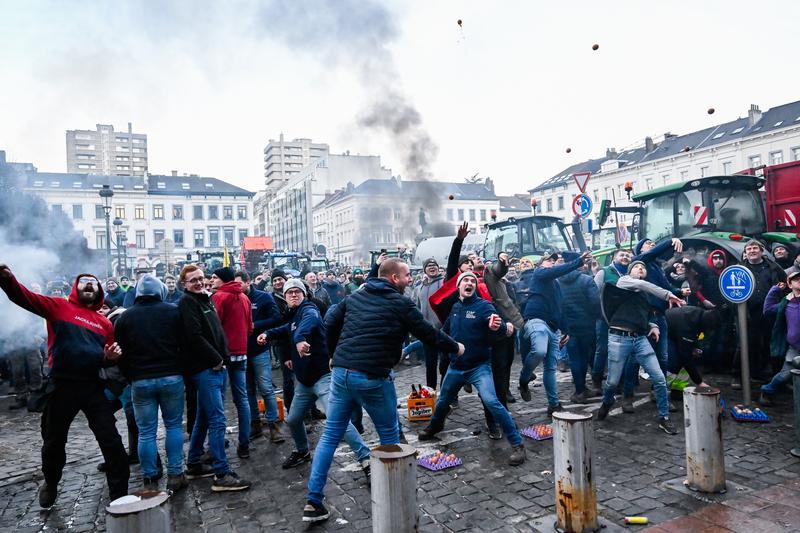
x=431, y=283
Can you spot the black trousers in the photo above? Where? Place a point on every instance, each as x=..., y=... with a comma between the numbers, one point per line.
x=191, y=404
x=62, y=406
x=434, y=362
x=502, y=358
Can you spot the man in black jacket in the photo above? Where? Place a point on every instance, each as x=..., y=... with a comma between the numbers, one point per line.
x=365, y=333
x=148, y=334
x=281, y=348
x=207, y=354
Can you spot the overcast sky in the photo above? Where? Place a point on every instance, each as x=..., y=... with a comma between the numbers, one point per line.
x=505, y=95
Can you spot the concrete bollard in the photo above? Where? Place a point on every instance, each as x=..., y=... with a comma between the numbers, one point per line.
x=148, y=513
x=576, y=498
x=796, y=382
x=394, y=489
x=705, y=455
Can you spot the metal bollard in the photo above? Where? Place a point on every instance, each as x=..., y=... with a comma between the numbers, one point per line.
x=796, y=382
x=705, y=455
x=394, y=489
x=151, y=513
x=576, y=498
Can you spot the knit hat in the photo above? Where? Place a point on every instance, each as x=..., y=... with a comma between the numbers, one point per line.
x=295, y=283
x=226, y=274
x=430, y=261
x=357, y=271
x=777, y=245
x=638, y=248
x=278, y=273
x=464, y=275
x=462, y=259
x=633, y=264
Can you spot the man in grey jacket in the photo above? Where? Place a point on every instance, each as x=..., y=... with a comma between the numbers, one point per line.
x=431, y=283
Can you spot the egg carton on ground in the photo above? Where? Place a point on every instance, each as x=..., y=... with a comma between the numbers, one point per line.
x=539, y=432
x=756, y=415
x=442, y=464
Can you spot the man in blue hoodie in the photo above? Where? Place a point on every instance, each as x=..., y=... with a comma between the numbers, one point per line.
x=334, y=289
x=542, y=316
x=474, y=323
x=309, y=361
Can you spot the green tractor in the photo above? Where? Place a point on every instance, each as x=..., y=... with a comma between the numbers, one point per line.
x=527, y=238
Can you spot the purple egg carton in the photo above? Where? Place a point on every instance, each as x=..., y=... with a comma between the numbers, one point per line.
x=538, y=432
x=756, y=416
x=425, y=462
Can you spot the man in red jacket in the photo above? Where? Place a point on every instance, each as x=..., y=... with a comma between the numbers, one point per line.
x=79, y=342
x=235, y=313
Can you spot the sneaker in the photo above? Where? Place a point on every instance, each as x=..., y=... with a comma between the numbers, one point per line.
x=554, y=408
x=524, y=391
x=666, y=424
x=562, y=366
x=367, y=468
x=150, y=483
x=230, y=482
x=256, y=430
x=296, y=459
x=47, y=496
x=765, y=400
x=602, y=413
x=428, y=433
x=275, y=435
x=494, y=432
x=243, y=451
x=517, y=456
x=579, y=397
x=198, y=470
x=315, y=512
x=468, y=388
x=176, y=483
x=627, y=405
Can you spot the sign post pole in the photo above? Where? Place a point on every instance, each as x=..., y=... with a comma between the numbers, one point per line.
x=736, y=283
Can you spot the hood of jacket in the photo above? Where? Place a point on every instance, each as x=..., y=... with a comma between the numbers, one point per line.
x=151, y=286
x=232, y=287
x=73, y=295
x=637, y=250
x=710, y=263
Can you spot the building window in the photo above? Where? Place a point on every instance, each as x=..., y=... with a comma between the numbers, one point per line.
x=177, y=212
x=549, y=205
x=197, y=212
x=56, y=208
x=100, y=240
x=140, y=239
x=77, y=212
x=754, y=161
x=703, y=172
x=213, y=237
x=177, y=236
x=460, y=214
x=608, y=193
x=726, y=168
x=684, y=175
x=483, y=215
x=227, y=212
x=98, y=211
x=199, y=238
x=665, y=179
x=560, y=203
x=596, y=195
x=158, y=236
x=648, y=183
x=158, y=212
x=213, y=212
x=450, y=215
x=138, y=212
x=472, y=215
x=796, y=153
x=242, y=235
x=241, y=212
x=776, y=158
x=119, y=211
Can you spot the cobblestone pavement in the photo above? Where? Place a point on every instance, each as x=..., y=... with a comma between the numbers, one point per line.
x=638, y=472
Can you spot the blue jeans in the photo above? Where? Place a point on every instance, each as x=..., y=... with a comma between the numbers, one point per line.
x=580, y=347
x=563, y=355
x=237, y=372
x=543, y=344
x=661, y=349
x=148, y=395
x=210, y=420
x=481, y=378
x=349, y=389
x=782, y=378
x=620, y=349
x=304, y=398
x=601, y=350
x=259, y=380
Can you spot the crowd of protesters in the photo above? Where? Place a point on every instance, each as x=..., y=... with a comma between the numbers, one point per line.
x=176, y=345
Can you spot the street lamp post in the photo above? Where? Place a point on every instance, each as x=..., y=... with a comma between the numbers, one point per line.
x=118, y=230
x=106, y=193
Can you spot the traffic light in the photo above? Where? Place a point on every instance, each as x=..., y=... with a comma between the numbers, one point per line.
x=605, y=210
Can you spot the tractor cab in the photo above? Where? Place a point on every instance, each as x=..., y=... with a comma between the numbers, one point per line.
x=529, y=237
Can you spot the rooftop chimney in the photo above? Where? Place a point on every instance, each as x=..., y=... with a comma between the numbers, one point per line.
x=649, y=146
x=611, y=152
x=174, y=172
x=2, y=157
x=669, y=135
x=130, y=127
x=490, y=184
x=753, y=116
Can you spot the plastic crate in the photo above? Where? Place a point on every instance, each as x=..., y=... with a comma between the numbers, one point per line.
x=757, y=415
x=539, y=432
x=421, y=409
x=425, y=462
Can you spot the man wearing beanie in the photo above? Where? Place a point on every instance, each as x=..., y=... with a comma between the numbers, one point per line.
x=281, y=348
x=542, y=316
x=431, y=282
x=627, y=312
x=235, y=313
x=474, y=323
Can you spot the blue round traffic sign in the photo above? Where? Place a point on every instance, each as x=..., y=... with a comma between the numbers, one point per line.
x=582, y=205
x=736, y=283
